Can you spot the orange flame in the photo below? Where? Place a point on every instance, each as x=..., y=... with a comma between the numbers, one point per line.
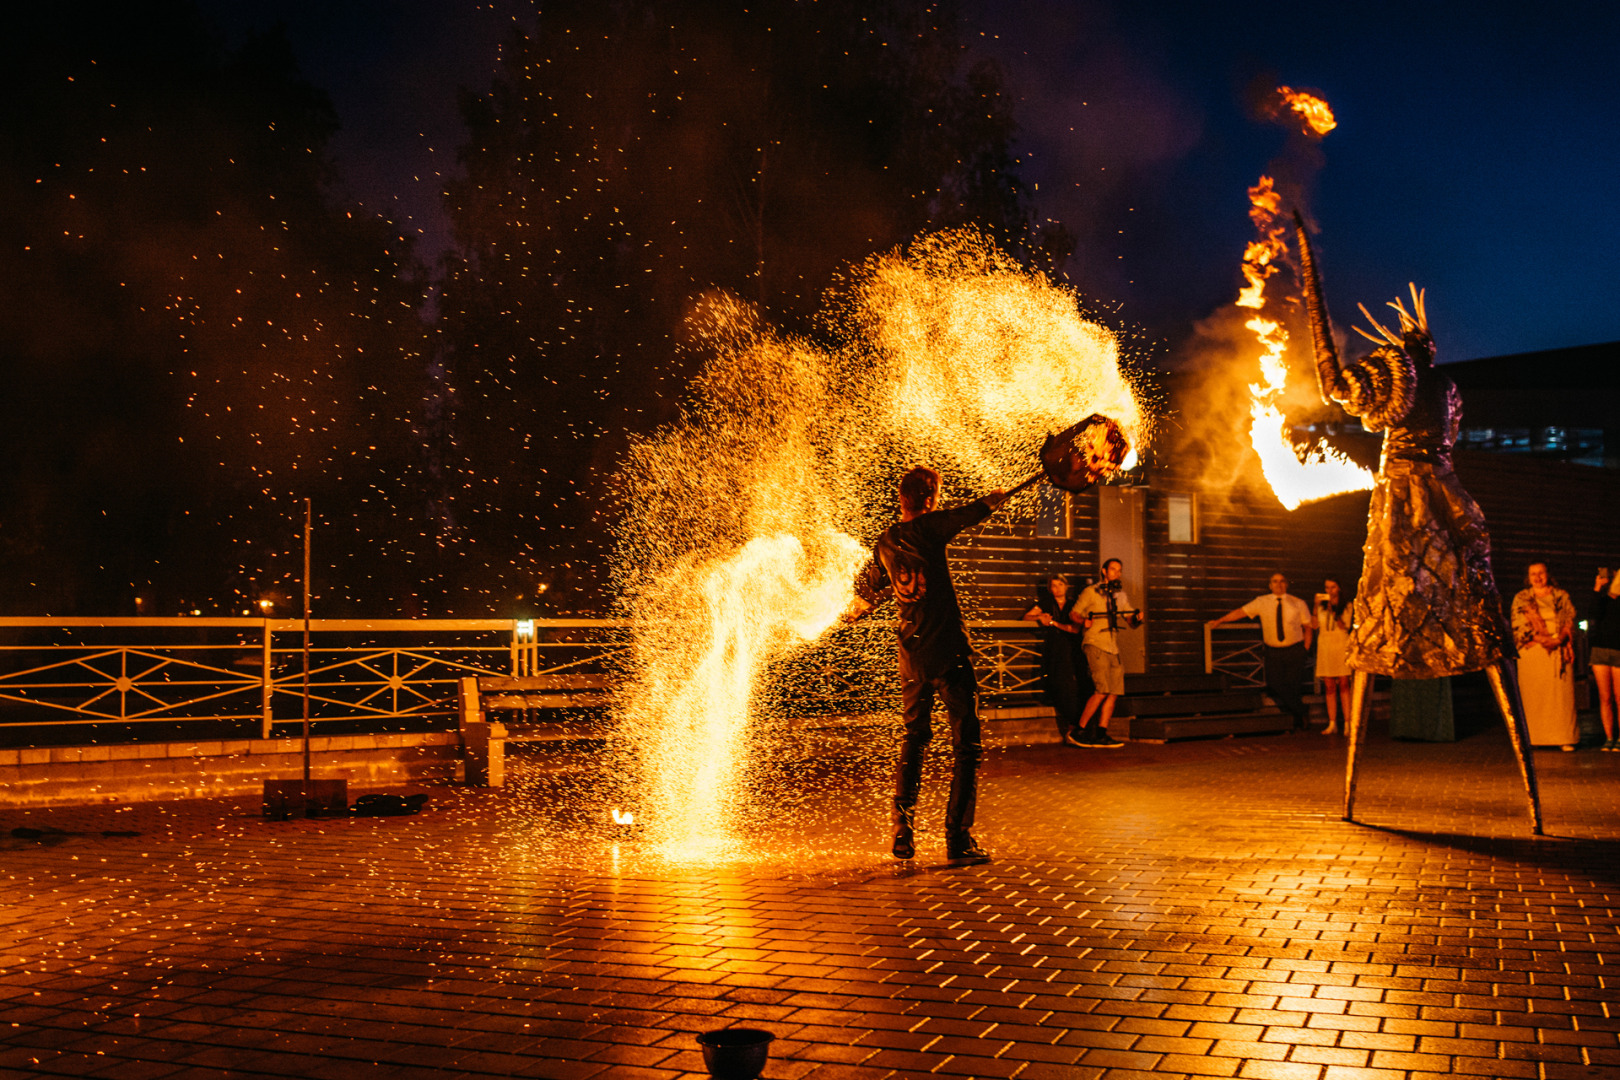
x=1323, y=471
x=1313, y=110
x=1261, y=255
x=623, y=818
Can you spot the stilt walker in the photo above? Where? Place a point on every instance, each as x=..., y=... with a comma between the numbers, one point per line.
x=1427, y=604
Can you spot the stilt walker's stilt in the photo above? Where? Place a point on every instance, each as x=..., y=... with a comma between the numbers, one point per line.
x=1354, y=730
x=1504, y=679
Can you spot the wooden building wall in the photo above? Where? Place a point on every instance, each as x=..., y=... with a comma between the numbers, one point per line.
x=1000, y=564
x=1243, y=536
x=1541, y=510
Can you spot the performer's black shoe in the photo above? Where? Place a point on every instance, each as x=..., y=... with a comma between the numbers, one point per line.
x=1099, y=739
x=1075, y=738
x=905, y=847
x=961, y=846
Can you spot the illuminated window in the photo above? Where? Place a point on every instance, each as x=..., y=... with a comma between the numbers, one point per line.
x=1183, y=511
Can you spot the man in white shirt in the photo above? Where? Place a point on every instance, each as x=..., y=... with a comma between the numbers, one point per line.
x=1103, y=610
x=1285, y=623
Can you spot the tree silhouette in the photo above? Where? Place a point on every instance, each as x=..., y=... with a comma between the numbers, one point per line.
x=632, y=156
x=197, y=334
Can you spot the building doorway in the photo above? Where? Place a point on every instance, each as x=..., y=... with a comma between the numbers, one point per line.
x=1121, y=535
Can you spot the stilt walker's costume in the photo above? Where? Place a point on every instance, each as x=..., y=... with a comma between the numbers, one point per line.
x=1427, y=604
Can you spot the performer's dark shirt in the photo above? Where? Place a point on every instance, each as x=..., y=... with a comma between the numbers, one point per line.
x=909, y=560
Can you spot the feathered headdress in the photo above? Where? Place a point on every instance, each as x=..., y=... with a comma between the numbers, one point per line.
x=1409, y=322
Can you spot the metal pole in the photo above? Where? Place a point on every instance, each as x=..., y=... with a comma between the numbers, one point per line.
x=1504, y=679
x=1355, y=729
x=267, y=687
x=306, y=651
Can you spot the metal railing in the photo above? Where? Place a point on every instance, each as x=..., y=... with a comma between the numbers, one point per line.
x=63, y=671
x=1008, y=658
x=1238, y=651
x=89, y=671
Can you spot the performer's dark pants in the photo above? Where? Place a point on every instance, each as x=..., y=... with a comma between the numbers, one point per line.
x=1285, y=674
x=958, y=691
x=1062, y=686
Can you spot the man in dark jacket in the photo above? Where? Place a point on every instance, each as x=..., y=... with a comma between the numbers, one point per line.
x=935, y=657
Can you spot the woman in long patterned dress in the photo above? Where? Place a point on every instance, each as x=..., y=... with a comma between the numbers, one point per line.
x=1427, y=604
x=1543, y=625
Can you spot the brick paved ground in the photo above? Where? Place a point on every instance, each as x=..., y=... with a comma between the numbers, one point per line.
x=1193, y=910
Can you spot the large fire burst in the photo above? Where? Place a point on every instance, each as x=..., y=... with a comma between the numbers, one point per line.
x=1321, y=471
x=745, y=522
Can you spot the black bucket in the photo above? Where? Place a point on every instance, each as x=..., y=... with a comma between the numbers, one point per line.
x=735, y=1053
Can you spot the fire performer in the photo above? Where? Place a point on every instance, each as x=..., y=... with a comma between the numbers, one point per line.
x=1427, y=605
x=909, y=562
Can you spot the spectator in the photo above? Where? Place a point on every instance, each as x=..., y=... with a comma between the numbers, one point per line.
x=1103, y=608
x=1332, y=625
x=1543, y=621
x=1285, y=624
x=1543, y=624
x=1060, y=641
x=1603, y=635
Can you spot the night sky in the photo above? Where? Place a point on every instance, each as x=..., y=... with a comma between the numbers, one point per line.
x=213, y=317
x=1476, y=152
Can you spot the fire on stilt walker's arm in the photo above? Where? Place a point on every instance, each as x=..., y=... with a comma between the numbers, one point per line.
x=1426, y=606
x=1380, y=389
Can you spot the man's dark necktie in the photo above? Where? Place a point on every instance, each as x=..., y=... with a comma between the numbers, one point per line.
x=1282, y=639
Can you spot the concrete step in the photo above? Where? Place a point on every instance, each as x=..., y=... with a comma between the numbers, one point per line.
x=1159, y=729
x=1144, y=684
x=1233, y=701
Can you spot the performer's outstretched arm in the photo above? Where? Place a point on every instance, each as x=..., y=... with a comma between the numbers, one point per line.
x=1329, y=376
x=1380, y=388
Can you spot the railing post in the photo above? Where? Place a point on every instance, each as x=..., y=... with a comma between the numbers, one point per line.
x=1209, y=650
x=267, y=688
x=525, y=648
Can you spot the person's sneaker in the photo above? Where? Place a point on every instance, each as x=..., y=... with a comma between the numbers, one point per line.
x=1612, y=745
x=905, y=846
x=960, y=846
x=1101, y=740
x=1077, y=738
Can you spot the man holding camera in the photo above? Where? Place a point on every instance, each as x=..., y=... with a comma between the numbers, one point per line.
x=1103, y=609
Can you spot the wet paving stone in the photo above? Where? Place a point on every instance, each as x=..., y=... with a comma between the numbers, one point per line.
x=1194, y=910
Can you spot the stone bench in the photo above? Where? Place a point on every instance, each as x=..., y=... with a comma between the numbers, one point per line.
x=484, y=742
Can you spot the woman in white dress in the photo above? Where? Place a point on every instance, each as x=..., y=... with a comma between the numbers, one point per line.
x=1332, y=622
x=1543, y=619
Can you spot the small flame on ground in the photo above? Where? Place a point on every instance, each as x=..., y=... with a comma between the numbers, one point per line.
x=1322, y=471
